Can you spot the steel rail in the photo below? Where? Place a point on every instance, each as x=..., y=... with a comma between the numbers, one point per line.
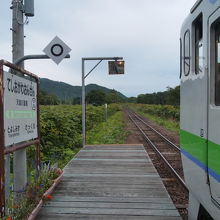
x=162, y=136
x=159, y=153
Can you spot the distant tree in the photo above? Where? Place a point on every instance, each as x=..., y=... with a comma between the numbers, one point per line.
x=48, y=99
x=132, y=100
x=169, y=97
x=141, y=98
x=76, y=101
x=96, y=97
x=173, y=95
x=114, y=97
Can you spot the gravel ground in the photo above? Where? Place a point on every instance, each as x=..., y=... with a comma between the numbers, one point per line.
x=179, y=197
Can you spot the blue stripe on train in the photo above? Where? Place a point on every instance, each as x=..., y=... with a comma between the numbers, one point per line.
x=212, y=173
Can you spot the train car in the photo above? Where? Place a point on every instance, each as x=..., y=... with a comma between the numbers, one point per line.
x=200, y=108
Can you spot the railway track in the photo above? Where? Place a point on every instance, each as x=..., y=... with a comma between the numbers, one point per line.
x=166, y=157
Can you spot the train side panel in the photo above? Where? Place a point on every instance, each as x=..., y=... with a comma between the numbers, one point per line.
x=214, y=106
x=200, y=117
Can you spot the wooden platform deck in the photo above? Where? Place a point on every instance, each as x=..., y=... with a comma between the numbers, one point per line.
x=110, y=182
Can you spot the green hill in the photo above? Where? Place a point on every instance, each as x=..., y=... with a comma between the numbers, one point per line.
x=66, y=91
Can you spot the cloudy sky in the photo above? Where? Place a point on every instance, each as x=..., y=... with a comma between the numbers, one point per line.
x=145, y=33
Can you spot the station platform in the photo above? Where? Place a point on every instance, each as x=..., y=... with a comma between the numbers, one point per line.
x=110, y=182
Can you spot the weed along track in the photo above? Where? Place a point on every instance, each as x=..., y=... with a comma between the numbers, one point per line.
x=165, y=156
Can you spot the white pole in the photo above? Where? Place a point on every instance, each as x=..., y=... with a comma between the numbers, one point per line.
x=106, y=111
x=83, y=104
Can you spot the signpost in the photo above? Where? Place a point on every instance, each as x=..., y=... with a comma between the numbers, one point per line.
x=19, y=121
x=56, y=50
x=19, y=110
x=100, y=59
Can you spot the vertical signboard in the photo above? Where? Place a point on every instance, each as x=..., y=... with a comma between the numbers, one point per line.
x=20, y=108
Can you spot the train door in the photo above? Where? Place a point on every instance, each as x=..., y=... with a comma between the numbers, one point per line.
x=213, y=155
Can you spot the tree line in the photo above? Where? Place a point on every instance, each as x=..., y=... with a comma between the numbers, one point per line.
x=97, y=97
x=169, y=97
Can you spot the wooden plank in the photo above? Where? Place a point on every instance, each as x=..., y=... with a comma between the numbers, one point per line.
x=125, y=146
x=111, y=205
x=105, y=211
x=155, y=190
x=113, y=148
x=113, y=157
x=112, y=166
x=112, y=160
x=119, y=180
x=103, y=217
x=98, y=193
x=109, y=171
x=112, y=199
x=107, y=188
x=113, y=151
x=145, y=176
x=121, y=164
x=102, y=183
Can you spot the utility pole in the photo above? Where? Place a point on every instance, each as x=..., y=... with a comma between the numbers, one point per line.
x=19, y=157
x=17, y=30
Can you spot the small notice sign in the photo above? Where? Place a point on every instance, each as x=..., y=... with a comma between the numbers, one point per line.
x=116, y=67
x=20, y=109
x=56, y=50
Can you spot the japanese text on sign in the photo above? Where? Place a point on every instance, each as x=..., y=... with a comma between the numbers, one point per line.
x=20, y=109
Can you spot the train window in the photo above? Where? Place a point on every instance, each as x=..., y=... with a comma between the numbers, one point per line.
x=198, y=45
x=186, y=53
x=217, y=63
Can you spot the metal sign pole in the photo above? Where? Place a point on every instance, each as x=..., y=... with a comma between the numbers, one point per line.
x=83, y=89
x=83, y=104
x=34, y=57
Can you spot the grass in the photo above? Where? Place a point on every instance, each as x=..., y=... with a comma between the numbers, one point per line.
x=69, y=154
x=169, y=124
x=110, y=132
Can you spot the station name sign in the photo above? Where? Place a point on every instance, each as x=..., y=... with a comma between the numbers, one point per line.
x=20, y=109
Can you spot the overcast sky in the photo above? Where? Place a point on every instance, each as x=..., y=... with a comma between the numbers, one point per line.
x=144, y=32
